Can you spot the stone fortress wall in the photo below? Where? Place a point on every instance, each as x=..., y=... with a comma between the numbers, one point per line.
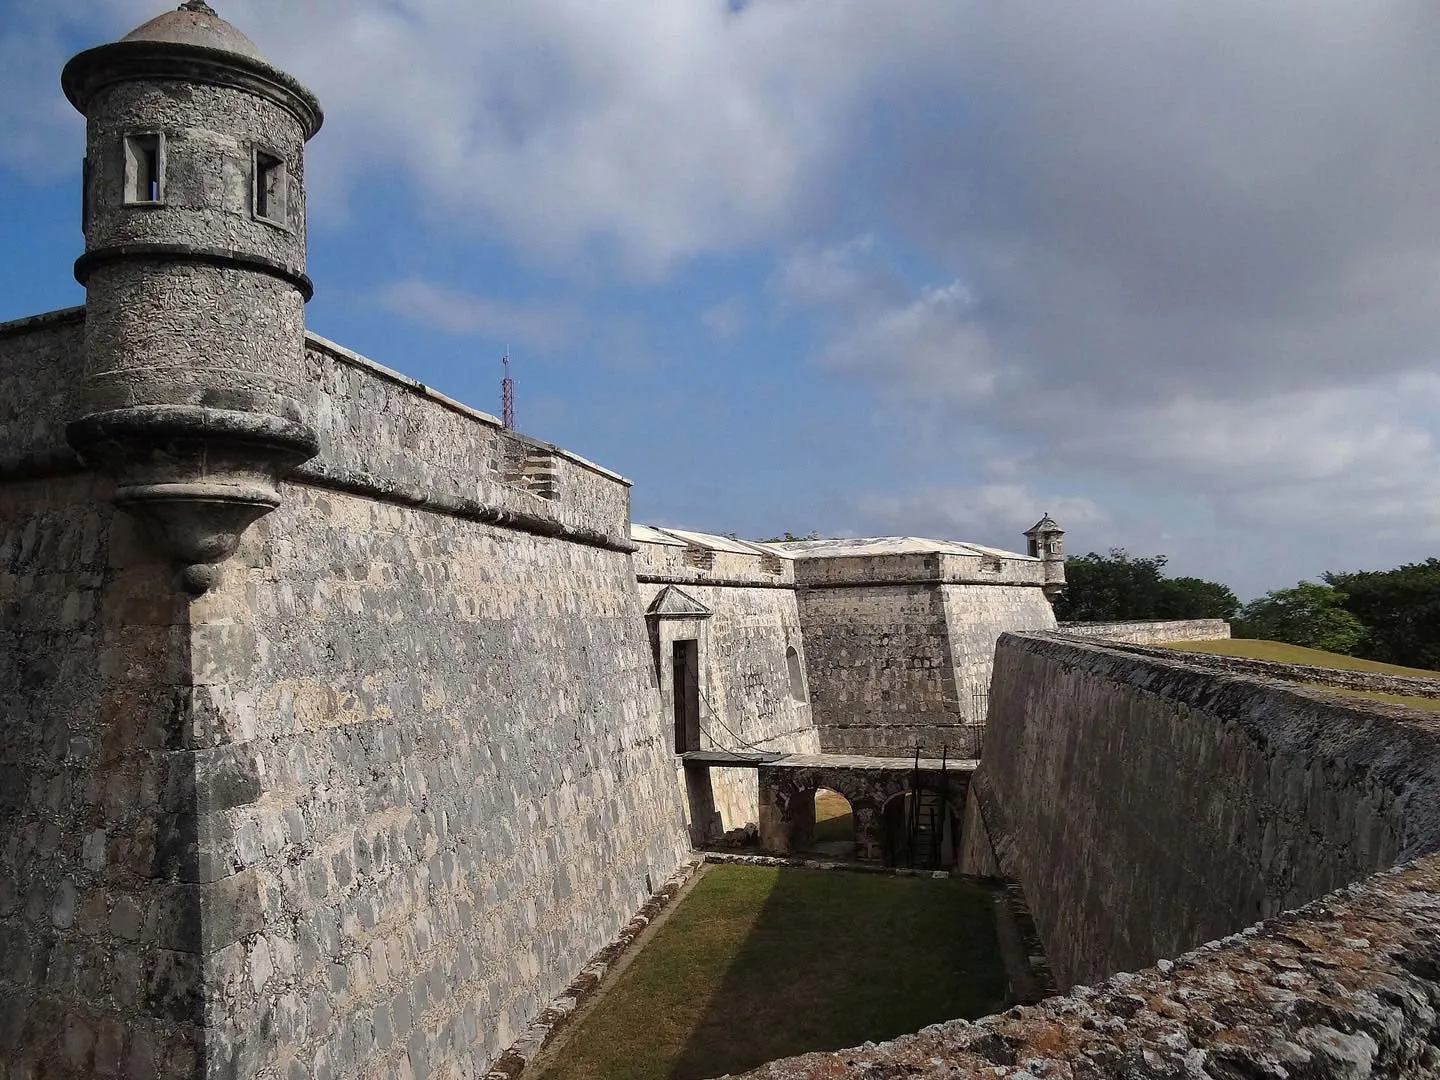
x=900, y=635
x=1233, y=876
x=1147, y=805
x=98, y=891
x=737, y=601
x=379, y=793
x=1150, y=632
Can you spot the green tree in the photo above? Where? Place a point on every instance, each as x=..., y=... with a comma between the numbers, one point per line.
x=1400, y=609
x=1111, y=588
x=1195, y=598
x=1118, y=587
x=1310, y=614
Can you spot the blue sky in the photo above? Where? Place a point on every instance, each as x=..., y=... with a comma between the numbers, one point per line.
x=1166, y=270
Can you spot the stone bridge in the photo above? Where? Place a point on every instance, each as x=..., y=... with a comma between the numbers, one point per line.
x=874, y=787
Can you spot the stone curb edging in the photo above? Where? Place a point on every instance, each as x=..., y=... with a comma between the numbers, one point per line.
x=800, y=863
x=1029, y=934
x=510, y=1064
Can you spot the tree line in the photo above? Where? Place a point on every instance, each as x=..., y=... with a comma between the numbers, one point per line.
x=1387, y=615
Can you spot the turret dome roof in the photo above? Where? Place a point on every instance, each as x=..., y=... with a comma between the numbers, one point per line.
x=1046, y=524
x=195, y=23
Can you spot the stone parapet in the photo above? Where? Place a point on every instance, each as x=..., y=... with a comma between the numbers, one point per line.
x=379, y=434
x=1376, y=681
x=387, y=436
x=840, y=571
x=1148, y=632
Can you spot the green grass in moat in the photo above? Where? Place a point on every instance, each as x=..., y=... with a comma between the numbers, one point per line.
x=760, y=963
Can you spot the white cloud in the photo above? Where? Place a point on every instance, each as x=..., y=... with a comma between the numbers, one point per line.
x=725, y=319
x=652, y=129
x=540, y=326
x=834, y=274
x=934, y=340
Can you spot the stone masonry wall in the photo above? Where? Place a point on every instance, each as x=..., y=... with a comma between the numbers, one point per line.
x=1151, y=632
x=747, y=701
x=465, y=787
x=977, y=615
x=893, y=665
x=1374, y=681
x=363, y=808
x=101, y=970
x=100, y=950
x=1147, y=806
x=880, y=669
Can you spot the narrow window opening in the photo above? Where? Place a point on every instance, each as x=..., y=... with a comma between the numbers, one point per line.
x=797, y=677
x=685, y=662
x=144, y=169
x=152, y=173
x=270, y=187
x=85, y=195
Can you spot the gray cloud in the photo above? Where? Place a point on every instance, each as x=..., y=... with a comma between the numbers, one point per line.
x=1222, y=197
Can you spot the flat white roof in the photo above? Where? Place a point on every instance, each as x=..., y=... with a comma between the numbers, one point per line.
x=891, y=545
x=652, y=534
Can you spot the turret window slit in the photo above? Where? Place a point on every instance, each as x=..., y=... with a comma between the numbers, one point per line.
x=270, y=188
x=144, y=169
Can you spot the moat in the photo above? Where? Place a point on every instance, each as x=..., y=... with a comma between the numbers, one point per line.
x=756, y=963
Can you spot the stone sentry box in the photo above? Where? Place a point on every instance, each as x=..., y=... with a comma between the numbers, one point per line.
x=194, y=269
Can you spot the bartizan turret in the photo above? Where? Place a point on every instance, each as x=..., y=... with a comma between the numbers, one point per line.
x=194, y=266
x=1045, y=540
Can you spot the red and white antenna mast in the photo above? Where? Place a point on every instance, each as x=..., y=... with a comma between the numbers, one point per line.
x=507, y=395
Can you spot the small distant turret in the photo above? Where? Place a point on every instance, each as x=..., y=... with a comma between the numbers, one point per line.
x=1046, y=541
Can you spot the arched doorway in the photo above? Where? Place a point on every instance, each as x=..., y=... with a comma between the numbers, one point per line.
x=834, y=832
x=921, y=830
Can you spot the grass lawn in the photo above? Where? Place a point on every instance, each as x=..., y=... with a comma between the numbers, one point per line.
x=1433, y=704
x=1296, y=654
x=758, y=963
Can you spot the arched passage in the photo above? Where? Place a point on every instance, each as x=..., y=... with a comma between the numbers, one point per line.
x=921, y=830
x=834, y=833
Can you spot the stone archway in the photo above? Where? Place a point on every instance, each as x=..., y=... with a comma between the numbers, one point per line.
x=834, y=835
x=787, y=798
x=921, y=829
